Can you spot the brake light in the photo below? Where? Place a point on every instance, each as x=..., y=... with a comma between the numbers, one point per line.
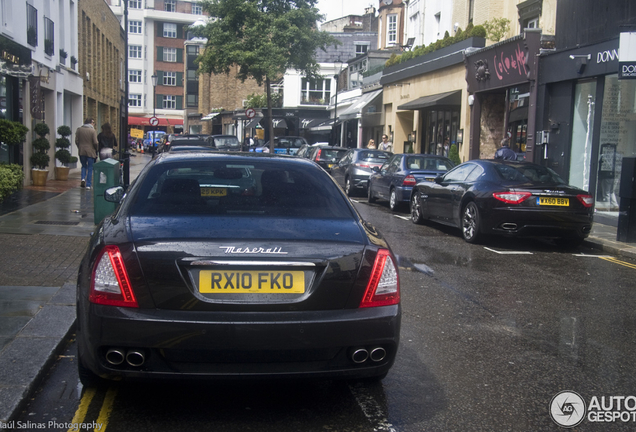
x=318, y=154
x=383, y=288
x=586, y=200
x=409, y=181
x=512, y=197
x=110, y=284
x=361, y=165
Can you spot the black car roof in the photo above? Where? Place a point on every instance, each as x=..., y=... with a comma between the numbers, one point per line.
x=238, y=156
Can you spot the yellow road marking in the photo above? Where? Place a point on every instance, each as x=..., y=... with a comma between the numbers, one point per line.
x=80, y=414
x=107, y=408
x=616, y=261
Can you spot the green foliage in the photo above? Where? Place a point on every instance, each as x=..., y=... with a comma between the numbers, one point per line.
x=64, y=131
x=497, y=28
x=11, y=178
x=64, y=156
x=12, y=132
x=453, y=155
x=40, y=158
x=471, y=31
x=255, y=100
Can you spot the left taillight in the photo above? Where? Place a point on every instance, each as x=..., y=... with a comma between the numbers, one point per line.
x=383, y=288
x=110, y=284
x=318, y=153
x=512, y=197
x=409, y=180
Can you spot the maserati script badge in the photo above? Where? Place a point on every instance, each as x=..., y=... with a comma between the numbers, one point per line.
x=248, y=250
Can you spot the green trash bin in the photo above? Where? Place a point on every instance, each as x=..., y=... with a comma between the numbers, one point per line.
x=105, y=175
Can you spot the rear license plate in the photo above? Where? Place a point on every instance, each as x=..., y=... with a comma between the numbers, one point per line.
x=252, y=282
x=551, y=201
x=430, y=179
x=213, y=192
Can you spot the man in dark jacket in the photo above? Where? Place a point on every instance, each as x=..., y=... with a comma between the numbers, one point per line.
x=505, y=152
x=86, y=140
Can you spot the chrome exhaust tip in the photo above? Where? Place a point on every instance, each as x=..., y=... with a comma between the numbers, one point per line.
x=509, y=226
x=115, y=356
x=377, y=354
x=360, y=355
x=135, y=358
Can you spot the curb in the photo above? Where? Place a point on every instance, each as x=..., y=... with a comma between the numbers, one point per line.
x=24, y=362
x=614, y=248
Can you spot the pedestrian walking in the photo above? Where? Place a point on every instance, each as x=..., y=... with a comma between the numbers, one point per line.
x=107, y=142
x=371, y=145
x=87, y=144
x=386, y=145
x=505, y=152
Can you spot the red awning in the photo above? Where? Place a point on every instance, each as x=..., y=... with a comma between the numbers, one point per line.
x=145, y=121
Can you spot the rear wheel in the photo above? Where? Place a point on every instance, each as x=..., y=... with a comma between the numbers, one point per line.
x=394, y=204
x=471, y=223
x=348, y=189
x=416, y=210
x=370, y=196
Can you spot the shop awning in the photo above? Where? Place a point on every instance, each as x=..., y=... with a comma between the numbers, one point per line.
x=324, y=126
x=145, y=121
x=307, y=123
x=210, y=116
x=440, y=100
x=253, y=123
x=279, y=123
x=355, y=109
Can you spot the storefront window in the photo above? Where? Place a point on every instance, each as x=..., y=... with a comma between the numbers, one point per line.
x=582, y=132
x=618, y=139
x=440, y=131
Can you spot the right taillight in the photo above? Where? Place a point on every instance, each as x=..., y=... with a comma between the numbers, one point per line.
x=383, y=288
x=317, y=158
x=586, y=200
x=110, y=284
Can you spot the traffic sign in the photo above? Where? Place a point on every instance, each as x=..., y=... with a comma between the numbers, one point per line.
x=154, y=121
x=250, y=113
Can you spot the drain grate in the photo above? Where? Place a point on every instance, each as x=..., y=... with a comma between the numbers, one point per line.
x=56, y=223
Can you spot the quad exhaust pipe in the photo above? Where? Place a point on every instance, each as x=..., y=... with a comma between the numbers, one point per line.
x=133, y=357
x=361, y=355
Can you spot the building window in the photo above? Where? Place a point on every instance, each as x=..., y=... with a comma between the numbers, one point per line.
x=49, y=37
x=532, y=23
x=170, y=5
x=170, y=55
x=134, y=100
x=192, y=75
x=32, y=25
x=197, y=9
x=169, y=102
x=391, y=30
x=529, y=14
x=169, y=30
x=361, y=49
x=192, y=49
x=192, y=100
x=134, y=27
x=134, y=51
x=134, y=4
x=134, y=76
x=170, y=78
x=315, y=92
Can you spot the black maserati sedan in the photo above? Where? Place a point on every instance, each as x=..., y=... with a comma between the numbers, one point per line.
x=509, y=198
x=228, y=265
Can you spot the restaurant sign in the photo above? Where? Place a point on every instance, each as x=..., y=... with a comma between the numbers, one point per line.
x=503, y=65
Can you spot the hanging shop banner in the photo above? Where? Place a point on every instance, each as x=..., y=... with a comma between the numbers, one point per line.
x=627, y=56
x=36, y=97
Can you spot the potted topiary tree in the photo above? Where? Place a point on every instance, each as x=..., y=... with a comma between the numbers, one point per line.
x=62, y=154
x=40, y=158
x=12, y=132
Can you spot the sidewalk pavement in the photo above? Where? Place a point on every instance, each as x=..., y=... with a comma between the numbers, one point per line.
x=49, y=228
x=44, y=232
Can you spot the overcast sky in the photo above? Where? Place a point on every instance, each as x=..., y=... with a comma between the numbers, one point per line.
x=338, y=8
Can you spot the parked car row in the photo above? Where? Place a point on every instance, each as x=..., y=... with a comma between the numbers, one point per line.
x=199, y=141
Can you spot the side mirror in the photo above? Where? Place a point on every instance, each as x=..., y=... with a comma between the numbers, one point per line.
x=114, y=194
x=375, y=169
x=439, y=179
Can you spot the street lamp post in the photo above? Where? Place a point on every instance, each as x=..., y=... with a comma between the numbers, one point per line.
x=336, y=77
x=154, y=94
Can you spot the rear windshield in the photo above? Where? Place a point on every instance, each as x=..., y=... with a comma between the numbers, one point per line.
x=332, y=154
x=374, y=156
x=189, y=142
x=226, y=141
x=289, y=142
x=254, y=188
x=525, y=173
x=424, y=163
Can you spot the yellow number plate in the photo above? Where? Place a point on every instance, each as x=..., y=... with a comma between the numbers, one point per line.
x=213, y=192
x=258, y=282
x=551, y=201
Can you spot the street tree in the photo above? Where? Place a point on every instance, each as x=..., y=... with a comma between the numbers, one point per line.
x=263, y=38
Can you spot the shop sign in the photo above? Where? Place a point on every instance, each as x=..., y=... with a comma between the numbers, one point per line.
x=15, y=60
x=36, y=97
x=503, y=65
x=627, y=56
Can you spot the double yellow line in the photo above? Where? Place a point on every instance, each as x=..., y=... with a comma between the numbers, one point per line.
x=104, y=412
x=619, y=262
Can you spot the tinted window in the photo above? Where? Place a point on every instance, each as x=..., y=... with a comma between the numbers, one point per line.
x=257, y=188
x=289, y=142
x=189, y=142
x=424, y=163
x=331, y=154
x=459, y=174
x=221, y=142
x=525, y=173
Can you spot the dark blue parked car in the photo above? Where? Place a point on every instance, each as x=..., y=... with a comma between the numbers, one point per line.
x=394, y=180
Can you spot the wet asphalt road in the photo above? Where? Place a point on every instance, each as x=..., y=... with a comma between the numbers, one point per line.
x=490, y=334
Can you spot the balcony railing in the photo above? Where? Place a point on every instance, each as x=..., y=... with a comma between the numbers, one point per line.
x=32, y=25
x=49, y=37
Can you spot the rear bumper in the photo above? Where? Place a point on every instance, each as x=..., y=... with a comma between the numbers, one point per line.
x=178, y=344
x=532, y=223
